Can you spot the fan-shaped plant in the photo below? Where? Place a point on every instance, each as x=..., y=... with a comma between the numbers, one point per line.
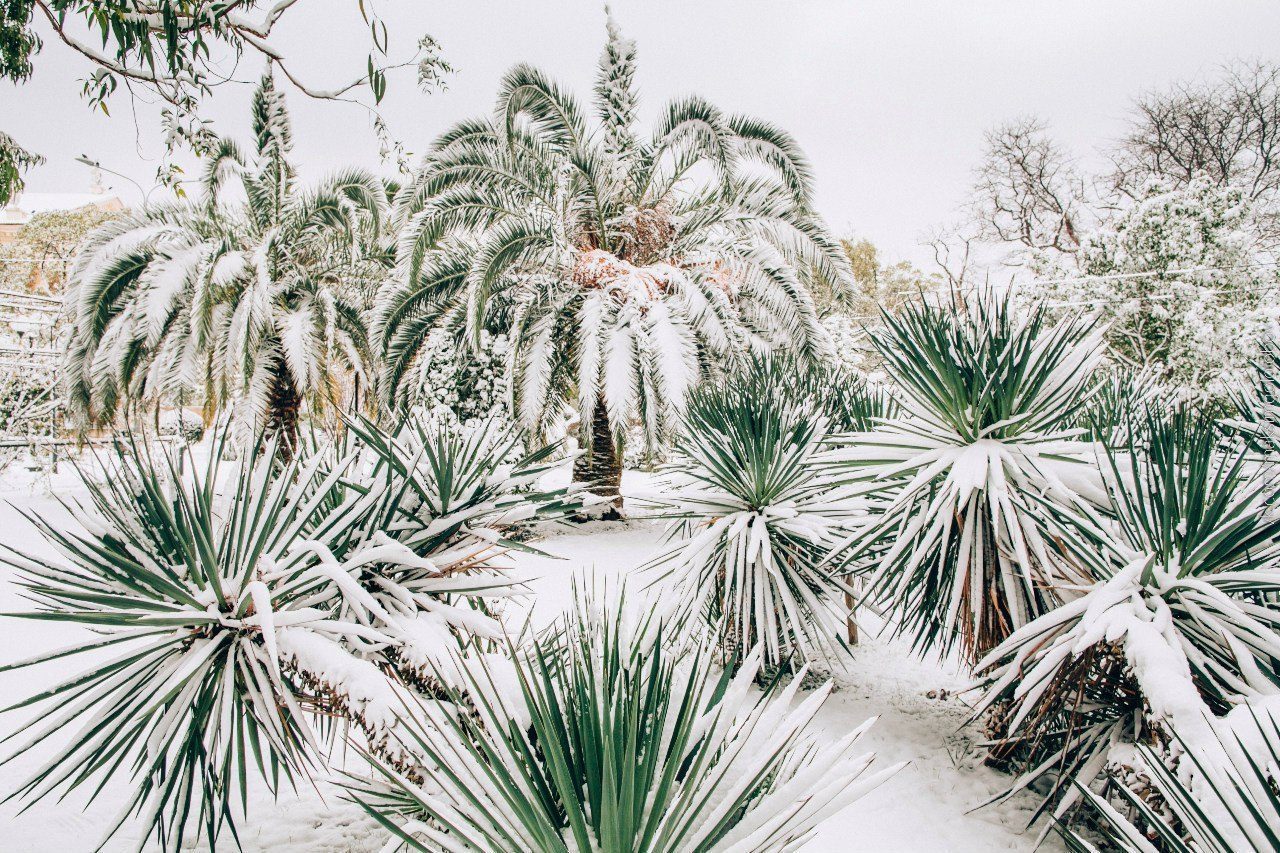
x=605, y=739
x=1177, y=627
x=256, y=301
x=757, y=505
x=237, y=602
x=617, y=264
x=186, y=598
x=1222, y=799
x=987, y=397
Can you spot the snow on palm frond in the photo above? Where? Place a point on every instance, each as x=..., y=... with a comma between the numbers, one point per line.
x=619, y=267
x=606, y=739
x=226, y=288
x=1176, y=627
x=757, y=504
x=1222, y=798
x=982, y=438
x=235, y=603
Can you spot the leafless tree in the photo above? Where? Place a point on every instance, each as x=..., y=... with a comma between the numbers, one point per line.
x=1027, y=190
x=1227, y=130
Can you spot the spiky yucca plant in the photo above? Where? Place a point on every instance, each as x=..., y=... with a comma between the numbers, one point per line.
x=437, y=501
x=1178, y=625
x=184, y=597
x=606, y=739
x=241, y=601
x=1259, y=402
x=617, y=264
x=253, y=301
x=757, y=504
x=1223, y=798
x=987, y=395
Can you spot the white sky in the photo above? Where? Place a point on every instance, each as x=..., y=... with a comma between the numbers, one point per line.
x=889, y=99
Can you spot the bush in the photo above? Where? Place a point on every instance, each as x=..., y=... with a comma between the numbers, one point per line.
x=1222, y=799
x=983, y=436
x=241, y=603
x=1176, y=627
x=605, y=739
x=757, y=506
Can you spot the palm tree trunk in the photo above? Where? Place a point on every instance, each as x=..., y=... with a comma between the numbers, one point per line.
x=601, y=466
x=283, y=412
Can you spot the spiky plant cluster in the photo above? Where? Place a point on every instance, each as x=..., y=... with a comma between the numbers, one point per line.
x=617, y=264
x=1179, y=625
x=235, y=603
x=983, y=436
x=1259, y=401
x=1223, y=798
x=606, y=739
x=757, y=505
x=254, y=303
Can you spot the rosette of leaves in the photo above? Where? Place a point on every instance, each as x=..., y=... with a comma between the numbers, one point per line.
x=183, y=692
x=438, y=504
x=242, y=610
x=1179, y=626
x=757, y=504
x=983, y=438
x=604, y=738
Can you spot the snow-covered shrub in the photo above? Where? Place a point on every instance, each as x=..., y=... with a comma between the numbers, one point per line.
x=987, y=395
x=1178, y=625
x=1175, y=279
x=757, y=504
x=473, y=383
x=237, y=602
x=186, y=598
x=1223, y=798
x=438, y=501
x=605, y=738
x=181, y=424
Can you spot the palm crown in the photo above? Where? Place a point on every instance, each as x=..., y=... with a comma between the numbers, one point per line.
x=620, y=265
x=255, y=301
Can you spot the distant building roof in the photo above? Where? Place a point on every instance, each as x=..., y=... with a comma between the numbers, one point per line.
x=22, y=207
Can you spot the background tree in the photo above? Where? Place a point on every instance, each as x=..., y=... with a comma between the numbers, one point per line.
x=257, y=303
x=1027, y=190
x=1177, y=282
x=180, y=52
x=1225, y=130
x=38, y=258
x=619, y=265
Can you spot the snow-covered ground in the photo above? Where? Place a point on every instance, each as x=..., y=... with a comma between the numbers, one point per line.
x=928, y=806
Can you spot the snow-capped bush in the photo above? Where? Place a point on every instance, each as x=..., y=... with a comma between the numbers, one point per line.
x=1222, y=798
x=987, y=397
x=1178, y=625
x=472, y=383
x=237, y=602
x=1176, y=282
x=757, y=504
x=604, y=738
x=179, y=423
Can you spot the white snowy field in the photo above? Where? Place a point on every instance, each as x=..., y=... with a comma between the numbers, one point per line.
x=928, y=806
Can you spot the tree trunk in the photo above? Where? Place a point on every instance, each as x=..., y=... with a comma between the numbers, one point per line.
x=283, y=406
x=600, y=467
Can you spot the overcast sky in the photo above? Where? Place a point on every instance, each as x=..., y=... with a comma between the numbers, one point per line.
x=889, y=99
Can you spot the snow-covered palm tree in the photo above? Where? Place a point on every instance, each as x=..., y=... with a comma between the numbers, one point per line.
x=255, y=301
x=619, y=264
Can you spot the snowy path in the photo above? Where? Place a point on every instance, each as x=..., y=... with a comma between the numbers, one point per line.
x=923, y=808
